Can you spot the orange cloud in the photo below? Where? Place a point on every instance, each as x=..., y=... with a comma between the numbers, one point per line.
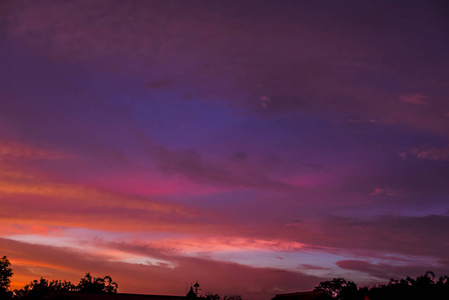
x=214, y=244
x=13, y=228
x=33, y=261
x=83, y=195
x=11, y=150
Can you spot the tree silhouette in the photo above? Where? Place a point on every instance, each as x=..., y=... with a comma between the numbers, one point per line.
x=232, y=297
x=5, y=275
x=423, y=287
x=98, y=285
x=338, y=288
x=38, y=289
x=212, y=296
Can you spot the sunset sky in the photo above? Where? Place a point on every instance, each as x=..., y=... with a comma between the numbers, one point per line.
x=257, y=147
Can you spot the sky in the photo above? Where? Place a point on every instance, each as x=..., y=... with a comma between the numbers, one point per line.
x=257, y=147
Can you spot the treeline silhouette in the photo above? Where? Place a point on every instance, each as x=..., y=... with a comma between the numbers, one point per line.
x=212, y=296
x=39, y=289
x=42, y=288
x=424, y=287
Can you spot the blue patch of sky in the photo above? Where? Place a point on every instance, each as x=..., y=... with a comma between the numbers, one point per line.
x=180, y=124
x=219, y=199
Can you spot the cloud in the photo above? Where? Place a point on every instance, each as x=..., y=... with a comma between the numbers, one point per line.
x=225, y=244
x=239, y=156
x=295, y=223
x=191, y=164
x=15, y=151
x=34, y=199
x=431, y=153
x=33, y=194
x=387, y=271
x=33, y=261
x=416, y=179
x=313, y=267
x=415, y=99
x=386, y=191
x=154, y=43
x=46, y=211
x=405, y=235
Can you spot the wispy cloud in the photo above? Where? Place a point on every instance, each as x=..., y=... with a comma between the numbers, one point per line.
x=253, y=282
x=415, y=99
x=431, y=153
x=192, y=165
x=15, y=151
x=386, y=271
x=386, y=191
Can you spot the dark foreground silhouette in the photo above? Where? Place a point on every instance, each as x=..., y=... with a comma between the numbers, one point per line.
x=98, y=288
x=424, y=287
x=40, y=289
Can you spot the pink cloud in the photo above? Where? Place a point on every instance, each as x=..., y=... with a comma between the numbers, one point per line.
x=313, y=267
x=386, y=191
x=431, y=153
x=24, y=185
x=385, y=271
x=149, y=183
x=202, y=170
x=227, y=244
x=13, y=150
x=19, y=160
x=11, y=227
x=415, y=99
x=402, y=235
x=33, y=261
